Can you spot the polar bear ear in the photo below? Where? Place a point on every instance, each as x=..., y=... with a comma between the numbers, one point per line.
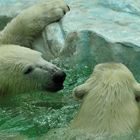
x=136, y=87
x=79, y=92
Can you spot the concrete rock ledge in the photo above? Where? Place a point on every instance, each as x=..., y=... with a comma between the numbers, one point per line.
x=96, y=31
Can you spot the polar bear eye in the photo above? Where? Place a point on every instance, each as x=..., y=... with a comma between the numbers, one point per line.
x=28, y=70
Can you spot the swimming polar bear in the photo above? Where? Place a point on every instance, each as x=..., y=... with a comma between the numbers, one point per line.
x=23, y=69
x=109, y=101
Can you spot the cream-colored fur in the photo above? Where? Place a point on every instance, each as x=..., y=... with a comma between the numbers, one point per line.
x=15, y=62
x=22, y=69
x=109, y=101
x=29, y=24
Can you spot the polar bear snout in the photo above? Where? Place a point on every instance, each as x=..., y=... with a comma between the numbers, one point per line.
x=56, y=82
x=59, y=77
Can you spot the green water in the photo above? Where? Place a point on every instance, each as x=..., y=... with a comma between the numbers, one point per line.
x=34, y=114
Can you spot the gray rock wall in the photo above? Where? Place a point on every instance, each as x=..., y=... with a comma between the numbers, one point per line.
x=96, y=31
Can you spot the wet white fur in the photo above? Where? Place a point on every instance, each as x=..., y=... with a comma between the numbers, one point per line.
x=109, y=105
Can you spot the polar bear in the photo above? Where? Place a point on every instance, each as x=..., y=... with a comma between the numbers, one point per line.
x=109, y=101
x=30, y=23
x=21, y=68
x=24, y=70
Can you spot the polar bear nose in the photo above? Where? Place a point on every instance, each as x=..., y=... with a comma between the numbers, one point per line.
x=59, y=77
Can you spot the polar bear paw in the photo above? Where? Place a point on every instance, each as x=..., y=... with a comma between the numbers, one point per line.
x=30, y=23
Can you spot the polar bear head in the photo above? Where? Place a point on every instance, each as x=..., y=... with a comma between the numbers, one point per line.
x=110, y=101
x=24, y=70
